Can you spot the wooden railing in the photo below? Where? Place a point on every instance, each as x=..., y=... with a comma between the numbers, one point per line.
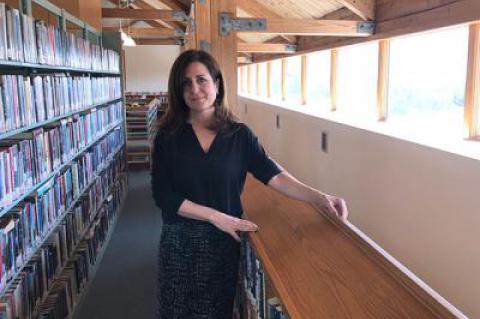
x=320, y=267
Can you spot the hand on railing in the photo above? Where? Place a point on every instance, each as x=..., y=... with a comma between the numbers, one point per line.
x=330, y=204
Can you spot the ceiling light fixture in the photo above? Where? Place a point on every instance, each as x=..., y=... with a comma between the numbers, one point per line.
x=126, y=39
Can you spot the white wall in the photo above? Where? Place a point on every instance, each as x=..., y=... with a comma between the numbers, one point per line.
x=422, y=205
x=148, y=66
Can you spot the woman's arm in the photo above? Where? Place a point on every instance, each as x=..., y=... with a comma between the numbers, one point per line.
x=224, y=222
x=293, y=188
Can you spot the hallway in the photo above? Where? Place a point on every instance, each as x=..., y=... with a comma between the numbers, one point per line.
x=125, y=282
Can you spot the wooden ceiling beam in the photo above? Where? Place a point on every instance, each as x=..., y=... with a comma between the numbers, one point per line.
x=343, y=28
x=140, y=41
x=144, y=5
x=266, y=48
x=259, y=10
x=156, y=24
x=172, y=4
x=152, y=23
x=159, y=32
x=144, y=14
x=363, y=8
x=244, y=60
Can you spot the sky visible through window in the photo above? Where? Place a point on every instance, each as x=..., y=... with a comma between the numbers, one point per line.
x=276, y=79
x=318, y=79
x=427, y=80
x=262, y=67
x=357, y=81
x=293, y=74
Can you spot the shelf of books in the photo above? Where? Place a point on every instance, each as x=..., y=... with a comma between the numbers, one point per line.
x=62, y=161
x=256, y=299
x=141, y=119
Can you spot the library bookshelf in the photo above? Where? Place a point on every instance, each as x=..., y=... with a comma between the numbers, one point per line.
x=63, y=165
x=303, y=264
x=141, y=119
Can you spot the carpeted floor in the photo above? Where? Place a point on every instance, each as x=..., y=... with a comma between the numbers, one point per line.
x=125, y=283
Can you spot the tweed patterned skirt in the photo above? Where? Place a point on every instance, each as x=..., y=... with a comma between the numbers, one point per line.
x=198, y=270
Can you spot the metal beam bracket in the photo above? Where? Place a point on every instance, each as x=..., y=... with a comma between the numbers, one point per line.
x=179, y=32
x=290, y=47
x=180, y=16
x=193, y=26
x=205, y=46
x=227, y=24
x=366, y=27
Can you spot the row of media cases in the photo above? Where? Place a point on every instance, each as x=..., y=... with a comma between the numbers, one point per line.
x=254, y=300
x=62, y=164
x=26, y=40
x=142, y=112
x=66, y=185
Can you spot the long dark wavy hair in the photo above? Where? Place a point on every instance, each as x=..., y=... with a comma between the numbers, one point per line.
x=177, y=111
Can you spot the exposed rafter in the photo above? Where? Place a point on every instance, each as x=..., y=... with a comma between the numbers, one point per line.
x=140, y=41
x=266, y=48
x=258, y=10
x=144, y=5
x=341, y=14
x=144, y=14
x=152, y=23
x=344, y=28
x=159, y=32
x=363, y=8
x=172, y=4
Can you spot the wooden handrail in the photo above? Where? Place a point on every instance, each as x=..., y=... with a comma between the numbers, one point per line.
x=323, y=268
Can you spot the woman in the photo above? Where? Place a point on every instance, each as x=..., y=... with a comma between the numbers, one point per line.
x=201, y=157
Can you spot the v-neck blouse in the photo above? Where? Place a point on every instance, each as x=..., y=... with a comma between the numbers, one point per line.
x=181, y=170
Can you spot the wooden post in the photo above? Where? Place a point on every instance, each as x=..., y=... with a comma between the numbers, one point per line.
x=303, y=84
x=269, y=81
x=383, y=76
x=257, y=66
x=249, y=78
x=333, y=79
x=224, y=48
x=284, y=79
x=203, y=37
x=245, y=79
x=472, y=89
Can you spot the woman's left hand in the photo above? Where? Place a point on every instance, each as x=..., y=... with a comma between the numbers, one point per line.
x=330, y=204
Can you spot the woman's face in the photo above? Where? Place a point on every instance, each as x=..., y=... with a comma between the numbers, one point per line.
x=199, y=88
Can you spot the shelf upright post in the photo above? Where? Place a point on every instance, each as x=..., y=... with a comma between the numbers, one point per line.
x=26, y=7
x=62, y=21
x=85, y=31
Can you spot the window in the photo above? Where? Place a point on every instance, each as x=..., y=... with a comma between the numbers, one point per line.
x=276, y=79
x=239, y=79
x=252, y=68
x=357, y=81
x=427, y=81
x=262, y=80
x=318, y=81
x=293, y=79
x=244, y=79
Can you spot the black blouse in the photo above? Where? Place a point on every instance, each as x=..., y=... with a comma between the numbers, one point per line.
x=182, y=170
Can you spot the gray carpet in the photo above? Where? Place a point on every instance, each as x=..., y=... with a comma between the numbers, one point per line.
x=125, y=283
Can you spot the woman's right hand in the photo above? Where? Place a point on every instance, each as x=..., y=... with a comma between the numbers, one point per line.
x=231, y=225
